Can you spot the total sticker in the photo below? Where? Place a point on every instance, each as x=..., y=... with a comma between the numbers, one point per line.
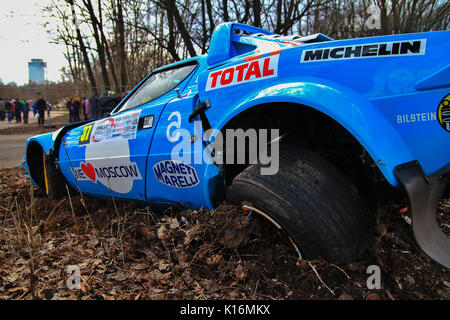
x=259, y=69
x=176, y=174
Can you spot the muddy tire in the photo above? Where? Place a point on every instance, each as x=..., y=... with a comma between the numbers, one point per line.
x=317, y=205
x=55, y=186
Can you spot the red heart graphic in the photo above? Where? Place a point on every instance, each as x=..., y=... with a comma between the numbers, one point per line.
x=88, y=170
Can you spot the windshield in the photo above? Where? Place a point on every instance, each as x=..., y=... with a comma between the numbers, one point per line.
x=158, y=84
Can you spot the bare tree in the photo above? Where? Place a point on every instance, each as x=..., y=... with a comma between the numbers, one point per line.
x=127, y=39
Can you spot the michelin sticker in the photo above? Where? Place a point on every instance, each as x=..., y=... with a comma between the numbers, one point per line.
x=444, y=113
x=370, y=50
x=176, y=174
x=122, y=126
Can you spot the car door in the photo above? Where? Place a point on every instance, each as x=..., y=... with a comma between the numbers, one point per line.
x=108, y=157
x=177, y=173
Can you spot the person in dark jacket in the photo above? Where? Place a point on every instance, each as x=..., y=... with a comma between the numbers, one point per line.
x=41, y=105
x=2, y=110
x=69, y=107
x=8, y=109
x=25, y=110
x=76, y=104
x=18, y=108
x=93, y=105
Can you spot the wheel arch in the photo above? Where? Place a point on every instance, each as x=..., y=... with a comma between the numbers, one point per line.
x=44, y=145
x=354, y=112
x=35, y=163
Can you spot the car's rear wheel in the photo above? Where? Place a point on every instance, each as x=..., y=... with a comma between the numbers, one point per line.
x=322, y=211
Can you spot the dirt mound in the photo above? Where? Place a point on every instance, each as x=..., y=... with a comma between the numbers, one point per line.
x=127, y=251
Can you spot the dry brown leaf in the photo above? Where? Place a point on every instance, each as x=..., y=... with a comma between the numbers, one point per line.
x=162, y=232
x=121, y=276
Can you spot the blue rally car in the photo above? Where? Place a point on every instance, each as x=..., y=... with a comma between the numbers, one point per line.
x=345, y=116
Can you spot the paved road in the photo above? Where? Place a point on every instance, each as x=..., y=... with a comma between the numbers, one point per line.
x=12, y=146
x=12, y=149
x=31, y=121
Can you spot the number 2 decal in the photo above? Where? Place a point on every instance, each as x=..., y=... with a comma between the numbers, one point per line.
x=86, y=134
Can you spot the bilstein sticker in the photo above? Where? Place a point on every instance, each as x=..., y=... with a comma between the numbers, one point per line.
x=416, y=117
x=370, y=50
x=444, y=113
x=176, y=174
x=259, y=69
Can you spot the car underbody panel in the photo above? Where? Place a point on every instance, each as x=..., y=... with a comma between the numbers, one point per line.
x=424, y=195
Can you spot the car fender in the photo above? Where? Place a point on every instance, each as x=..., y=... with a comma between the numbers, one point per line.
x=353, y=111
x=49, y=142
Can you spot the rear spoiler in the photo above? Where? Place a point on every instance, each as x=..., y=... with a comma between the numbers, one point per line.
x=221, y=45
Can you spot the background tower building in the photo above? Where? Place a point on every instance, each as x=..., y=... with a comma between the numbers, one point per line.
x=36, y=71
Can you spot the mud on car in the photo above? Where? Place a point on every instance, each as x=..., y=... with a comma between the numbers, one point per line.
x=351, y=114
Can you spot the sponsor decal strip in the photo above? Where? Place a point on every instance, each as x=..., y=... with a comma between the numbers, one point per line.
x=176, y=174
x=371, y=50
x=89, y=172
x=123, y=126
x=416, y=117
x=256, y=69
x=86, y=134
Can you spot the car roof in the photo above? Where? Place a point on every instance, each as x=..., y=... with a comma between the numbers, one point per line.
x=200, y=59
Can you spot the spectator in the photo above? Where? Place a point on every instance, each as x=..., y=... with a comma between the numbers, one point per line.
x=34, y=109
x=107, y=103
x=2, y=109
x=76, y=104
x=93, y=104
x=69, y=107
x=49, y=108
x=26, y=110
x=41, y=105
x=8, y=109
x=18, y=108
x=85, y=107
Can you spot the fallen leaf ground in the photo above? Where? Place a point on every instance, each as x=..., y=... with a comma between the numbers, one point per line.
x=128, y=251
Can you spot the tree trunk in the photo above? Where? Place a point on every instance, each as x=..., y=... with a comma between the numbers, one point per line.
x=226, y=16
x=257, y=13
x=122, y=53
x=83, y=48
x=100, y=48
x=173, y=10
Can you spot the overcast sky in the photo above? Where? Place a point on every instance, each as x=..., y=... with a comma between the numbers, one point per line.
x=22, y=37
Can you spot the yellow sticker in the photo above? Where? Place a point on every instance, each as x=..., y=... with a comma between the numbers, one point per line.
x=86, y=134
x=443, y=113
